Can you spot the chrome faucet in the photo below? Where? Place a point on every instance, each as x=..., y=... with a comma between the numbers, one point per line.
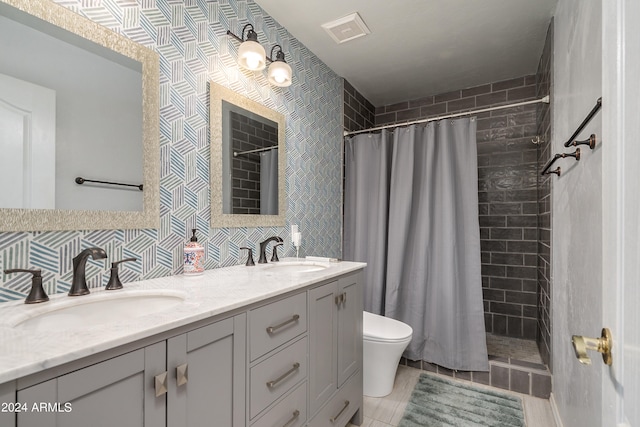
x=79, y=282
x=263, y=248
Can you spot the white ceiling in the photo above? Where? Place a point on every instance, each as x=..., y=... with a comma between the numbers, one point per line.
x=422, y=47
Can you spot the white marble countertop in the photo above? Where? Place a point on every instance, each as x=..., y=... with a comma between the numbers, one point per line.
x=27, y=349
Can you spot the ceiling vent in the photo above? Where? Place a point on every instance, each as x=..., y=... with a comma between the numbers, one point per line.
x=347, y=28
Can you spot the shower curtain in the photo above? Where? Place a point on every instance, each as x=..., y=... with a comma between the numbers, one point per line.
x=411, y=213
x=269, y=182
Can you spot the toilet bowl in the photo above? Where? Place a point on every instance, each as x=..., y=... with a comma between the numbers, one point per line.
x=384, y=341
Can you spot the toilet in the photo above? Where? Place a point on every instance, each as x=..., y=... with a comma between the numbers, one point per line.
x=385, y=340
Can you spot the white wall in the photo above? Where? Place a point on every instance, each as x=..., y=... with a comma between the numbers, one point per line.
x=577, y=211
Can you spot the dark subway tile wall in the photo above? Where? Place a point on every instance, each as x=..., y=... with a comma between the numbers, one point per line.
x=359, y=113
x=543, y=87
x=507, y=193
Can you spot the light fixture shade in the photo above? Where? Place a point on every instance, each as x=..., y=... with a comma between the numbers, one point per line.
x=280, y=74
x=252, y=56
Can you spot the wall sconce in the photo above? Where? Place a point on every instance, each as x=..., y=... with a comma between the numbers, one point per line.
x=252, y=56
x=279, y=71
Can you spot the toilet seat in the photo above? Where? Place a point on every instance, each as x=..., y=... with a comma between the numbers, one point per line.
x=384, y=329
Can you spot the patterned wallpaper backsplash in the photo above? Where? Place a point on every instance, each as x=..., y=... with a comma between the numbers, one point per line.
x=190, y=37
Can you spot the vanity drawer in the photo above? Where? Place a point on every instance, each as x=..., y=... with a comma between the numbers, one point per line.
x=342, y=405
x=274, y=324
x=273, y=377
x=290, y=412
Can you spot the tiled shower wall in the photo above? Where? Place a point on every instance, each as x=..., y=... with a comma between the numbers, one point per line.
x=507, y=164
x=190, y=37
x=544, y=87
x=359, y=113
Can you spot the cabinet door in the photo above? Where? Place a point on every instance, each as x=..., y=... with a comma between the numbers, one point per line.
x=7, y=397
x=323, y=329
x=207, y=375
x=349, y=327
x=117, y=392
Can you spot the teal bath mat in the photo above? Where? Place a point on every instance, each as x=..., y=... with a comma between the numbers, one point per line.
x=437, y=401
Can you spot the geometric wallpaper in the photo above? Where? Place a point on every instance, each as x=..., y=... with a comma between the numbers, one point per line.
x=190, y=38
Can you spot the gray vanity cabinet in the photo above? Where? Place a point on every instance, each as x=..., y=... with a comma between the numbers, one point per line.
x=7, y=399
x=206, y=370
x=335, y=351
x=194, y=379
x=116, y=392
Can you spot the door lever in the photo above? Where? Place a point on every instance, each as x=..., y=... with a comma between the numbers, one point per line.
x=602, y=345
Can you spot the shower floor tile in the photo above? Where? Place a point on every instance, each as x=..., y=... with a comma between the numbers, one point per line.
x=514, y=348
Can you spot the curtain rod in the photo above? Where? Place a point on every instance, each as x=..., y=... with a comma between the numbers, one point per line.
x=449, y=116
x=237, y=153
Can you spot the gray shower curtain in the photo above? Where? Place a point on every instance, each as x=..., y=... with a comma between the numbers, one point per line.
x=411, y=213
x=269, y=182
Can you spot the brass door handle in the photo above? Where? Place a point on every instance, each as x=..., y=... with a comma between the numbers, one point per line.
x=602, y=345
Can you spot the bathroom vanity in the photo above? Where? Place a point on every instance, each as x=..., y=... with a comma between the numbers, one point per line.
x=273, y=345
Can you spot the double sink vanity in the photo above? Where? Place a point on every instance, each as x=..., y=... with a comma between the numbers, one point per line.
x=278, y=344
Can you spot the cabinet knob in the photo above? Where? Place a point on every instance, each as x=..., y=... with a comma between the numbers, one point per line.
x=182, y=374
x=160, y=383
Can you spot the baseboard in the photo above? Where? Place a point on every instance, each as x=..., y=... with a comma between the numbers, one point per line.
x=554, y=410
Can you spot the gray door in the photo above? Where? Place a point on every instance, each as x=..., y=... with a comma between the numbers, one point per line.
x=117, y=392
x=349, y=327
x=323, y=329
x=206, y=376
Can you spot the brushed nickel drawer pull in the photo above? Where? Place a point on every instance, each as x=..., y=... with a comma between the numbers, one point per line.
x=160, y=384
x=182, y=374
x=272, y=384
x=344, y=408
x=293, y=419
x=273, y=329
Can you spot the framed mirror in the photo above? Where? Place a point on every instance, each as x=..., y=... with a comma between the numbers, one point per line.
x=248, y=161
x=79, y=123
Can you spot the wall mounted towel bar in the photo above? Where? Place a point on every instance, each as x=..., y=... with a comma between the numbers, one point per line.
x=584, y=123
x=557, y=171
x=80, y=180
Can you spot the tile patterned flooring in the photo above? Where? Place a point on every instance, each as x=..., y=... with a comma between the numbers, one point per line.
x=387, y=411
x=514, y=348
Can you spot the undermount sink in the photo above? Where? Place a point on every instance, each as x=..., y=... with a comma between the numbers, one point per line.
x=74, y=313
x=297, y=266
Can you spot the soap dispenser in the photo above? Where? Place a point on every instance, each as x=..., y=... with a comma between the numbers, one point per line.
x=193, y=256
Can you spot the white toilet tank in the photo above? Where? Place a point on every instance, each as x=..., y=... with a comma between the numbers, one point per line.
x=384, y=341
